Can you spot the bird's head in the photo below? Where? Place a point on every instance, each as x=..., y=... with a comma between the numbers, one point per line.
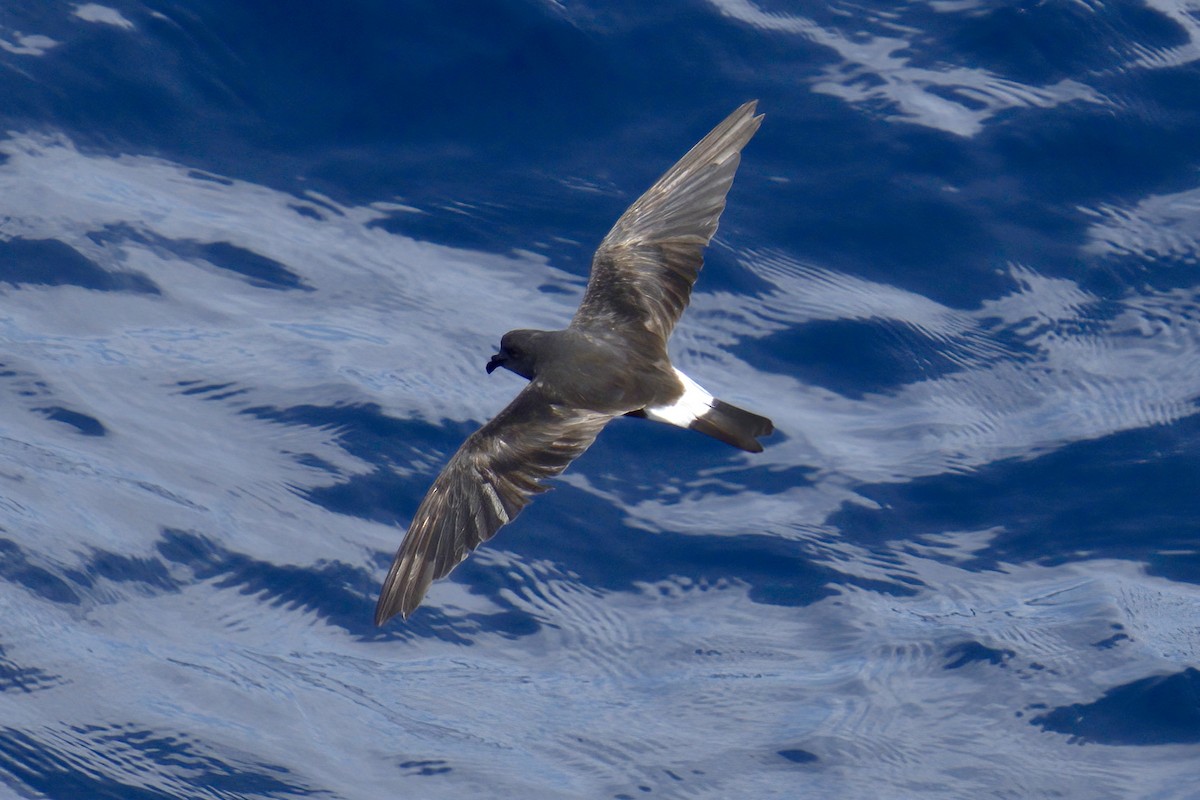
x=517, y=353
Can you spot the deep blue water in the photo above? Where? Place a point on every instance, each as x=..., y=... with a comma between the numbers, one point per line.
x=254, y=256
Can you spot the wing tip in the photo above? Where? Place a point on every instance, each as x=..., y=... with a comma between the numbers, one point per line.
x=747, y=109
x=390, y=605
x=402, y=590
x=382, y=615
x=744, y=115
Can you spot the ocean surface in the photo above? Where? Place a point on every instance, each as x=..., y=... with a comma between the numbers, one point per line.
x=254, y=256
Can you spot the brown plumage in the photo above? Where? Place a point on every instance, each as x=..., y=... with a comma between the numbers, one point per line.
x=611, y=360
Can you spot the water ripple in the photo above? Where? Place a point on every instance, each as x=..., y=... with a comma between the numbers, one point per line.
x=875, y=70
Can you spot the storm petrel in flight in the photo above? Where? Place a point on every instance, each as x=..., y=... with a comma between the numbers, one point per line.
x=611, y=360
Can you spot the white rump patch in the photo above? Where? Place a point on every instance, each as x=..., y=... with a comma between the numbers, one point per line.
x=695, y=402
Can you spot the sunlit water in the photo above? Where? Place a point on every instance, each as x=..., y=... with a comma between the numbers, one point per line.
x=252, y=264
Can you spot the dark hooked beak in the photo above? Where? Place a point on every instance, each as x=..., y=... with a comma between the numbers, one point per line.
x=497, y=361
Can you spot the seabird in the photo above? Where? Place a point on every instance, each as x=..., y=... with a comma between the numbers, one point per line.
x=610, y=361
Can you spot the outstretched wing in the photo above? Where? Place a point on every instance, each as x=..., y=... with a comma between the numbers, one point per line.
x=643, y=271
x=494, y=474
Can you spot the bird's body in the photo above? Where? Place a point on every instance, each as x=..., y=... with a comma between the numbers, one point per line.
x=599, y=370
x=611, y=360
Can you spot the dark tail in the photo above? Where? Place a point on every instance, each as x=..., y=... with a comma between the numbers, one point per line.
x=733, y=425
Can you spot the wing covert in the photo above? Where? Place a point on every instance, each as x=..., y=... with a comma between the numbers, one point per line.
x=493, y=475
x=645, y=267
